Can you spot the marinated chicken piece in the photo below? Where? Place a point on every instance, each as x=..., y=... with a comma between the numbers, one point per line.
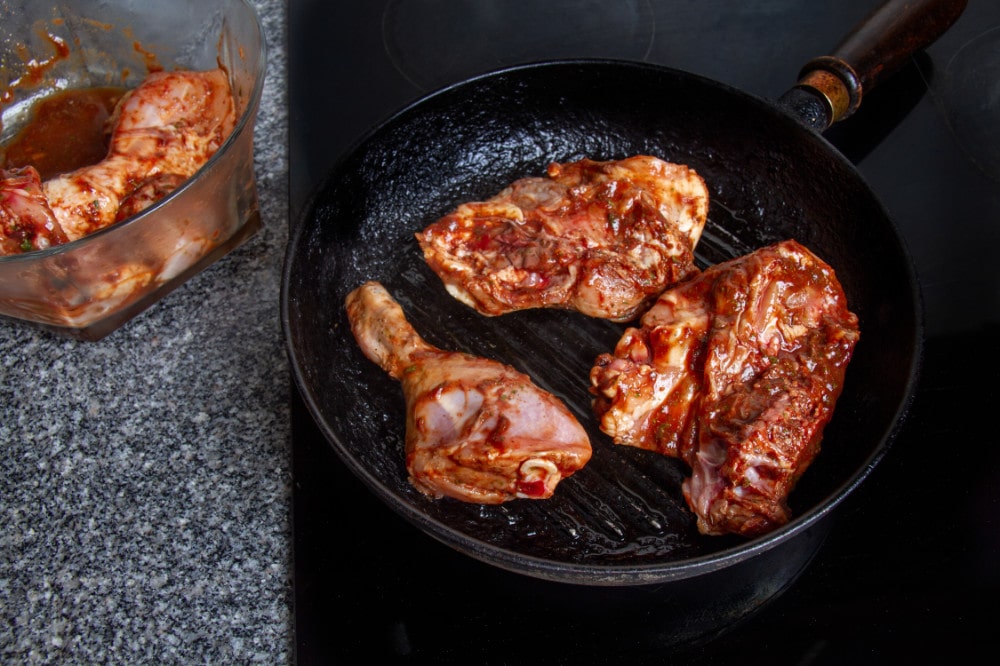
x=163, y=132
x=602, y=238
x=148, y=193
x=476, y=430
x=26, y=221
x=165, y=129
x=736, y=372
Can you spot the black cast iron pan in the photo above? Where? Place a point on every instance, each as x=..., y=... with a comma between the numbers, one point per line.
x=622, y=520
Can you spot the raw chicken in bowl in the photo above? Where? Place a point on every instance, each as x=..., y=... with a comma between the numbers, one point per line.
x=84, y=250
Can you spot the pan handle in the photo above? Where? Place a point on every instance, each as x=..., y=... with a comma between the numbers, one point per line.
x=830, y=88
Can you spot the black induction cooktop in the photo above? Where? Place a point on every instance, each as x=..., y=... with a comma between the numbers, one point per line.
x=909, y=567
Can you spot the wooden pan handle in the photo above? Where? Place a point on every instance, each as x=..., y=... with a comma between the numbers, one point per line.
x=876, y=48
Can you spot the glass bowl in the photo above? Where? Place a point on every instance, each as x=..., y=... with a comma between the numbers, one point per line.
x=89, y=287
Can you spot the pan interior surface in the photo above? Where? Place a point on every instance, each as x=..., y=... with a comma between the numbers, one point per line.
x=622, y=520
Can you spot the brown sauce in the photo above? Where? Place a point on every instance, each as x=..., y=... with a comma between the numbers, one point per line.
x=67, y=130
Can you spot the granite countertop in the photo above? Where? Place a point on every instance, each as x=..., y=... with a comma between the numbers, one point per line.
x=145, y=482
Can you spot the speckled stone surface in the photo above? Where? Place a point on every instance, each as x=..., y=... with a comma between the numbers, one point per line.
x=145, y=482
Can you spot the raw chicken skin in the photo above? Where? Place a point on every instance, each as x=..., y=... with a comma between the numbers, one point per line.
x=476, y=430
x=171, y=124
x=602, y=238
x=164, y=130
x=26, y=221
x=736, y=372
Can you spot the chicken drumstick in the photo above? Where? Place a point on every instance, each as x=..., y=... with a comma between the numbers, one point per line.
x=476, y=430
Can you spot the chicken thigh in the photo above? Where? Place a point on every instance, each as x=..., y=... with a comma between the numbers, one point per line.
x=736, y=372
x=602, y=238
x=476, y=430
